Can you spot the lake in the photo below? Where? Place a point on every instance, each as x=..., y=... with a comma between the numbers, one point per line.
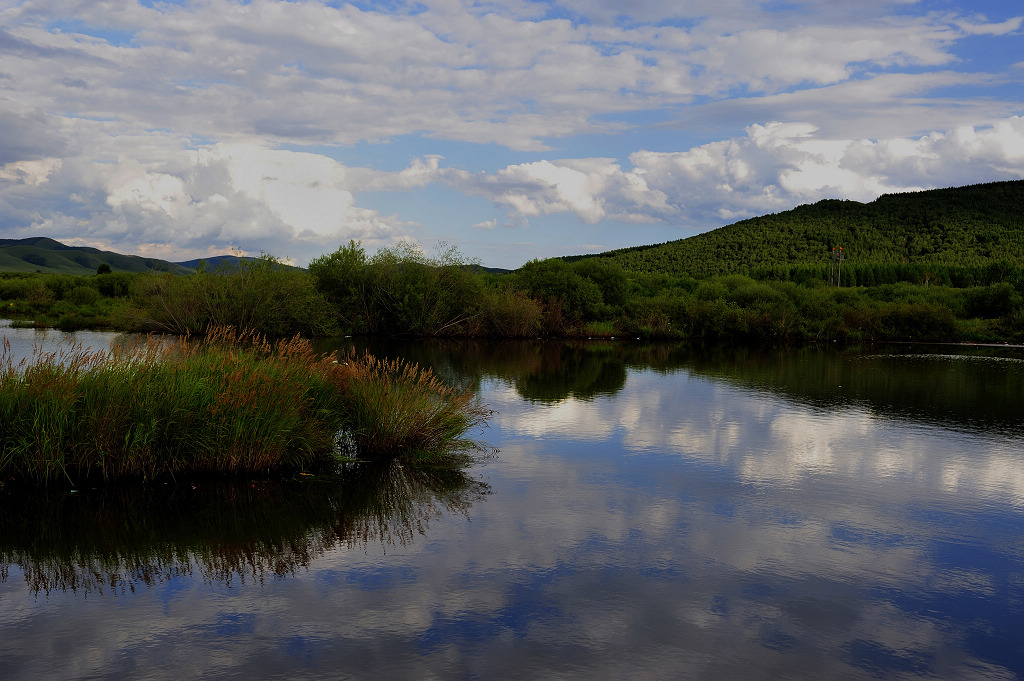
x=652, y=512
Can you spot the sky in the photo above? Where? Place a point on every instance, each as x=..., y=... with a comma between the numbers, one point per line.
x=512, y=130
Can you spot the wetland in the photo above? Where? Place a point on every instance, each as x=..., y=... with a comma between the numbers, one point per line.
x=653, y=510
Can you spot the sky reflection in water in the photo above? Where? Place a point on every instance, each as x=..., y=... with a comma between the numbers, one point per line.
x=770, y=516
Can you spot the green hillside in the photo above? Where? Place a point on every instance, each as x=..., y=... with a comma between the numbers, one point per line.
x=40, y=254
x=961, y=232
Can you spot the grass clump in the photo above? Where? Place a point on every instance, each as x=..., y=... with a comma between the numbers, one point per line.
x=397, y=407
x=230, y=403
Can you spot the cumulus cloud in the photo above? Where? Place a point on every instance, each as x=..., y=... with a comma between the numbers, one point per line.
x=594, y=189
x=174, y=200
x=773, y=167
x=156, y=196
x=33, y=173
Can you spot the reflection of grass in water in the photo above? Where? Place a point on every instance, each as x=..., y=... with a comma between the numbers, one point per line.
x=118, y=538
x=229, y=404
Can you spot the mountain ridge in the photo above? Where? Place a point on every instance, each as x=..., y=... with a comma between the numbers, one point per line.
x=970, y=226
x=49, y=256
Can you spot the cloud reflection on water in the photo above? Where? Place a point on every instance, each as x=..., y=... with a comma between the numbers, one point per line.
x=686, y=526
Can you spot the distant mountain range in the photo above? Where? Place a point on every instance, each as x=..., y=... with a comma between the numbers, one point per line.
x=41, y=254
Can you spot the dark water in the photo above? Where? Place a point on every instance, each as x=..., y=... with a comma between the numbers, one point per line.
x=654, y=512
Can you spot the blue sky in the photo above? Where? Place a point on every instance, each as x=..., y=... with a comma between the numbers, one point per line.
x=514, y=130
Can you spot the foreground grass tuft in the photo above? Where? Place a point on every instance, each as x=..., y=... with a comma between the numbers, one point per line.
x=230, y=403
x=395, y=407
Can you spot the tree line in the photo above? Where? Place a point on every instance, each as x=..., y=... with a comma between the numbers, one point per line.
x=402, y=291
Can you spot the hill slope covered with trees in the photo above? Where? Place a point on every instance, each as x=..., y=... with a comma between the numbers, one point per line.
x=961, y=236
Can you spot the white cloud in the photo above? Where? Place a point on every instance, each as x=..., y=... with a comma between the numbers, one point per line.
x=305, y=71
x=33, y=173
x=885, y=105
x=774, y=167
x=594, y=189
x=167, y=199
x=151, y=193
x=766, y=60
x=1011, y=25
x=780, y=165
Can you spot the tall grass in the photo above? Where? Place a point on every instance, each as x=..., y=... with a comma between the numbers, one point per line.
x=395, y=407
x=231, y=403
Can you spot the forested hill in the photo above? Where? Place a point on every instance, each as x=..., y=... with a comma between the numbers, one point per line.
x=961, y=229
x=42, y=254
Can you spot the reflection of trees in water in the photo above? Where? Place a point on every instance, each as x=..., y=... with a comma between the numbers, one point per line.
x=118, y=538
x=580, y=371
x=975, y=389
x=545, y=371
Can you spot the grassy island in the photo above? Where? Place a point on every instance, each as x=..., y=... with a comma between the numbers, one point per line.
x=228, y=403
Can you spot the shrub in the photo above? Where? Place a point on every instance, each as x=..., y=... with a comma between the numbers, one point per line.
x=72, y=322
x=415, y=294
x=990, y=302
x=510, y=313
x=82, y=295
x=568, y=298
x=115, y=284
x=261, y=295
x=918, y=321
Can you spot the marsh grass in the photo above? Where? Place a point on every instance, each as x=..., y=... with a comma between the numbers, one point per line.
x=397, y=407
x=228, y=403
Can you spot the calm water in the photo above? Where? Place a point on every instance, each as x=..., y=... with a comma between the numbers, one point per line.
x=653, y=512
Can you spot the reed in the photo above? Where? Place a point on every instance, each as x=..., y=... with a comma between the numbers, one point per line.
x=229, y=403
x=397, y=407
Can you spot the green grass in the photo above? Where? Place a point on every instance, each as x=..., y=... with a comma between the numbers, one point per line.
x=395, y=407
x=227, y=404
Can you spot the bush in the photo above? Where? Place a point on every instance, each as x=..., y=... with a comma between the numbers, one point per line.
x=568, y=298
x=413, y=294
x=82, y=295
x=510, y=313
x=918, y=321
x=609, y=277
x=989, y=302
x=260, y=295
x=395, y=407
x=72, y=322
x=115, y=284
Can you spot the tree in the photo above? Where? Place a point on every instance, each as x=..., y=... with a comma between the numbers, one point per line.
x=342, y=277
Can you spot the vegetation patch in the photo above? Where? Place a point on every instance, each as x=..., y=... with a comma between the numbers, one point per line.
x=230, y=403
